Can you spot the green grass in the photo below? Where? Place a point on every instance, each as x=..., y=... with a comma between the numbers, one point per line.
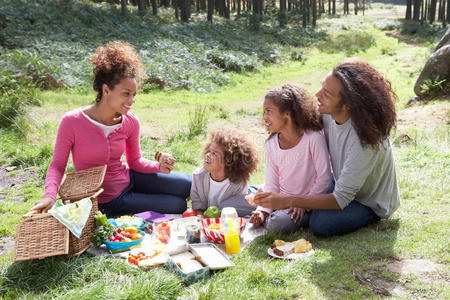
x=419, y=229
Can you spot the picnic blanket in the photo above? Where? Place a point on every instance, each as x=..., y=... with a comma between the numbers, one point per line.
x=248, y=235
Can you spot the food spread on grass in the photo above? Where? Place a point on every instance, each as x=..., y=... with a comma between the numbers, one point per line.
x=214, y=226
x=163, y=232
x=251, y=198
x=147, y=257
x=168, y=244
x=106, y=231
x=212, y=212
x=125, y=221
x=283, y=249
x=189, y=213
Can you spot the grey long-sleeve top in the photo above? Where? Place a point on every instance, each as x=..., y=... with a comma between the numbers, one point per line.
x=361, y=174
x=200, y=190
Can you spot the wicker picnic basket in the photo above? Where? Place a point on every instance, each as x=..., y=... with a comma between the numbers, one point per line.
x=41, y=235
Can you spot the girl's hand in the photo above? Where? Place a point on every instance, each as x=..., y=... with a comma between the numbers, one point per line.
x=200, y=214
x=43, y=205
x=271, y=200
x=166, y=162
x=297, y=214
x=258, y=217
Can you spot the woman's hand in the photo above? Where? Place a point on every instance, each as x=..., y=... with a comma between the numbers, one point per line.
x=43, y=205
x=258, y=217
x=271, y=200
x=166, y=162
x=297, y=214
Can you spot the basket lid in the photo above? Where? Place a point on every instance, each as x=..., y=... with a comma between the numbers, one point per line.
x=82, y=183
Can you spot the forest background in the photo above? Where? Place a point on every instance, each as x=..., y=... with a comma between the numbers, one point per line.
x=209, y=62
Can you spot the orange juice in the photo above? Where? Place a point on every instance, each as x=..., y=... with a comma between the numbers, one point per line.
x=232, y=242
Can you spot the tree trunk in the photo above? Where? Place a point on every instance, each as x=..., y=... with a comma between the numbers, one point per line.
x=444, y=20
x=314, y=12
x=432, y=11
x=334, y=7
x=408, y=9
x=282, y=17
x=416, y=10
x=422, y=11
x=448, y=11
x=123, y=4
x=304, y=13
x=141, y=7
x=175, y=5
x=185, y=9
x=356, y=7
x=154, y=8
x=210, y=10
x=440, y=11
x=238, y=7
x=256, y=17
x=227, y=9
x=329, y=7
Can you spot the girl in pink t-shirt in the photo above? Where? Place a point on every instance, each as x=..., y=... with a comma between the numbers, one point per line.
x=297, y=159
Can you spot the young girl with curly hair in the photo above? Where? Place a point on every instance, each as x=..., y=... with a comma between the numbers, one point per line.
x=100, y=133
x=229, y=159
x=297, y=159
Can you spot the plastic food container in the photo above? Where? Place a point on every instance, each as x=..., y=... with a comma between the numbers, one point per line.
x=208, y=255
x=126, y=221
x=123, y=246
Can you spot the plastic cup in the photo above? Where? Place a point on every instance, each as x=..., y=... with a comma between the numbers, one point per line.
x=229, y=220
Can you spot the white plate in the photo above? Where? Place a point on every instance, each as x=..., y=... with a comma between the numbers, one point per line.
x=292, y=255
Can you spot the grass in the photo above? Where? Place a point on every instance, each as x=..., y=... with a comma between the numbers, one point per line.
x=419, y=229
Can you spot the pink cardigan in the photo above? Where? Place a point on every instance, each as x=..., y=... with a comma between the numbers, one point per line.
x=90, y=148
x=301, y=170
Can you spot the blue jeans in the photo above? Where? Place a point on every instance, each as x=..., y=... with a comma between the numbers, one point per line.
x=163, y=193
x=336, y=221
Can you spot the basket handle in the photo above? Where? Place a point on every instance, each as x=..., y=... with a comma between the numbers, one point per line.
x=30, y=214
x=97, y=193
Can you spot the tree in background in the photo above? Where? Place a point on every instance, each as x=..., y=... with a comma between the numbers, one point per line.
x=283, y=16
x=308, y=10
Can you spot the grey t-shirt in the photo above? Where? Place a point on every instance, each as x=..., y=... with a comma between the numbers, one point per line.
x=361, y=174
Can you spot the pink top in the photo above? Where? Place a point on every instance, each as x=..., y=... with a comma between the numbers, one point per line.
x=301, y=170
x=90, y=148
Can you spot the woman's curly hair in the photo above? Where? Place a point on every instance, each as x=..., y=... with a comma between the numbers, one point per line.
x=240, y=156
x=299, y=103
x=113, y=62
x=370, y=99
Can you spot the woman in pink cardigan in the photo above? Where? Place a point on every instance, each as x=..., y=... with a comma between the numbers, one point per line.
x=99, y=134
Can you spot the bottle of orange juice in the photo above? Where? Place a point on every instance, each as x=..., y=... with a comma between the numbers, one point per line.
x=229, y=225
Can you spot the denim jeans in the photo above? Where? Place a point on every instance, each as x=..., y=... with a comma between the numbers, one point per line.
x=329, y=222
x=163, y=193
x=336, y=221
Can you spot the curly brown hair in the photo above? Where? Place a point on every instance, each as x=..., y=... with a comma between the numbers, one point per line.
x=240, y=156
x=299, y=103
x=370, y=99
x=113, y=62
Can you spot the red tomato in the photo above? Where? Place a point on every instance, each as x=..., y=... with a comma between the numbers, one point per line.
x=132, y=260
x=189, y=213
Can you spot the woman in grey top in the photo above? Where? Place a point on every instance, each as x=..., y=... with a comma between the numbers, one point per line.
x=358, y=112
